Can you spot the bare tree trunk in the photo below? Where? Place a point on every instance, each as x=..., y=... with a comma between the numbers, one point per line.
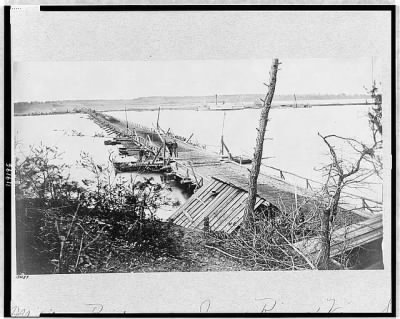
x=328, y=215
x=255, y=169
x=323, y=262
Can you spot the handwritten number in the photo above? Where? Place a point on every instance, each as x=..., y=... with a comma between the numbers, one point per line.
x=20, y=312
x=8, y=174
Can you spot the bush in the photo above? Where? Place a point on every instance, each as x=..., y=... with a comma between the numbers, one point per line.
x=102, y=227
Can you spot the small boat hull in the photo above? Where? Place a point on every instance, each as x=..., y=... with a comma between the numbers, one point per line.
x=134, y=167
x=110, y=143
x=241, y=160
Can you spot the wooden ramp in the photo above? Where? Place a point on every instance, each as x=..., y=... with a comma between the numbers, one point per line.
x=221, y=203
x=345, y=238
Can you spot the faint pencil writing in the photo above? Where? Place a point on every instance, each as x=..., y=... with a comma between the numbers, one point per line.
x=96, y=307
x=268, y=304
x=17, y=311
x=205, y=305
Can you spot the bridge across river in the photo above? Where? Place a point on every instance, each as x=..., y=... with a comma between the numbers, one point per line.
x=222, y=184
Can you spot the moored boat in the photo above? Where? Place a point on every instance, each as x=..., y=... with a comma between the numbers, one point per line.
x=111, y=142
x=138, y=166
x=241, y=159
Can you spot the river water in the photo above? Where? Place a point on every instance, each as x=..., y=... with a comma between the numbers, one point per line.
x=61, y=131
x=293, y=143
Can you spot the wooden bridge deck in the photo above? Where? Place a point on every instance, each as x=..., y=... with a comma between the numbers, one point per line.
x=150, y=138
x=211, y=174
x=345, y=238
x=274, y=190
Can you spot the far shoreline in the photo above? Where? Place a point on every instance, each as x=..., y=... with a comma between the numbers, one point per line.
x=199, y=109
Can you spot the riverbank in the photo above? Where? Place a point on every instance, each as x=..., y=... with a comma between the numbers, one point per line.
x=224, y=102
x=197, y=255
x=46, y=113
x=201, y=109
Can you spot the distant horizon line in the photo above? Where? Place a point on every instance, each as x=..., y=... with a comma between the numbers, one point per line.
x=195, y=96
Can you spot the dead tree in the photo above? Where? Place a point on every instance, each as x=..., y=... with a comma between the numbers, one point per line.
x=255, y=169
x=341, y=173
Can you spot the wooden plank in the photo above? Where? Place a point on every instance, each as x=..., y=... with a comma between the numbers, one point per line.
x=232, y=179
x=351, y=236
x=187, y=216
x=355, y=233
x=187, y=203
x=225, y=211
x=198, y=207
x=210, y=201
x=228, y=208
x=354, y=242
x=312, y=246
x=352, y=230
x=208, y=195
x=366, y=236
x=232, y=210
x=200, y=200
x=212, y=204
x=221, y=212
x=233, y=213
x=223, y=201
x=194, y=205
x=236, y=217
x=191, y=200
x=241, y=206
x=234, y=223
x=218, y=204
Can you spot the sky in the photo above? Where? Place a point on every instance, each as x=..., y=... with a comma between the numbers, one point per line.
x=47, y=81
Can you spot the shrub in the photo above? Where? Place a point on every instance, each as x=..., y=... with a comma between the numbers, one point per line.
x=64, y=228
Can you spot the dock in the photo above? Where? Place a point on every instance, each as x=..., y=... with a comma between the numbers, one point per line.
x=221, y=185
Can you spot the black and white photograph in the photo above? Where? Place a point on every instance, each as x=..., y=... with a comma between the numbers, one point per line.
x=173, y=180
x=200, y=152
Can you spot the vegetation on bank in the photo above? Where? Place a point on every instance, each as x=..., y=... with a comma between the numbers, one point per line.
x=63, y=227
